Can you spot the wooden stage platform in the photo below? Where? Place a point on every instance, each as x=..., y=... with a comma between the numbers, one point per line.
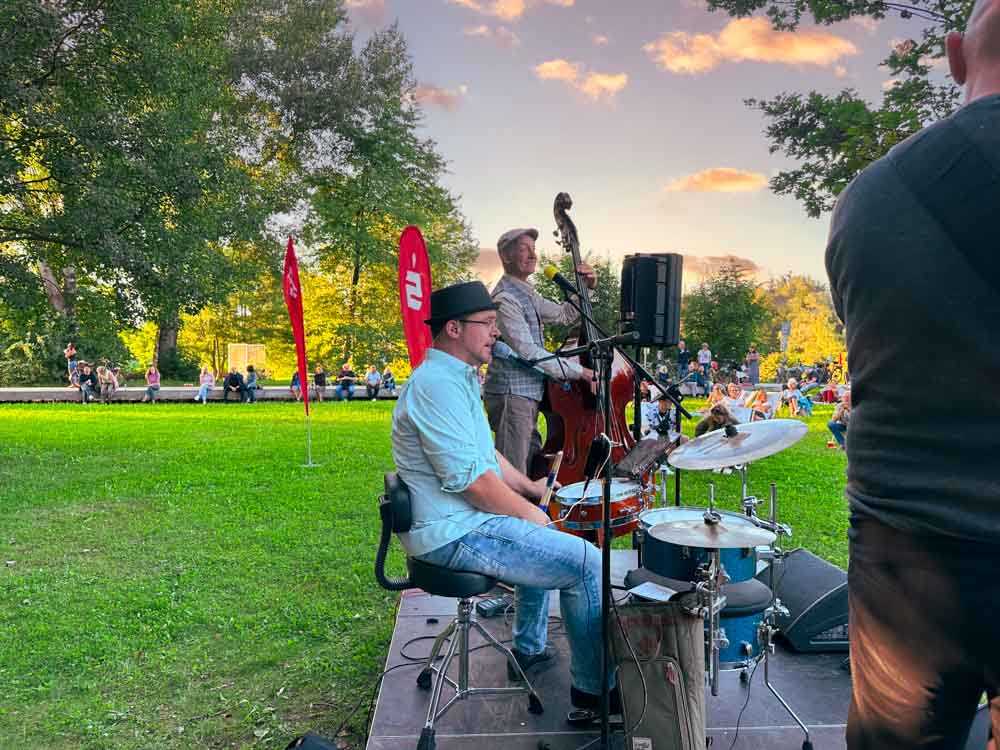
x=815, y=685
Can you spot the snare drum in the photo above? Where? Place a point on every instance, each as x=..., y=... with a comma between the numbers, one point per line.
x=583, y=517
x=681, y=563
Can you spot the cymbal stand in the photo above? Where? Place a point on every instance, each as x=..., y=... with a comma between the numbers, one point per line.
x=768, y=627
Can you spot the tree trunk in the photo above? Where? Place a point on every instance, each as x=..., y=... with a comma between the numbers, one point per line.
x=352, y=305
x=166, y=342
x=53, y=290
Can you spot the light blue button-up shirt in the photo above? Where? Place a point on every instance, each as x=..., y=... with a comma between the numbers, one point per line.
x=441, y=443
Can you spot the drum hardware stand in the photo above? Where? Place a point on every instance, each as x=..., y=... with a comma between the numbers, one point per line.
x=767, y=628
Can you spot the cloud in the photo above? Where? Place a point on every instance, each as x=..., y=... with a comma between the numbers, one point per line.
x=718, y=180
x=487, y=267
x=599, y=39
x=867, y=23
x=501, y=35
x=594, y=86
x=840, y=71
x=508, y=10
x=435, y=96
x=371, y=12
x=697, y=268
x=558, y=70
x=890, y=84
x=746, y=39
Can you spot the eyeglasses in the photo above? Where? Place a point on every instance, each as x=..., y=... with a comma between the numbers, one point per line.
x=491, y=323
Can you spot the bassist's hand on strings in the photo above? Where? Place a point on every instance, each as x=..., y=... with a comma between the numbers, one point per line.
x=588, y=274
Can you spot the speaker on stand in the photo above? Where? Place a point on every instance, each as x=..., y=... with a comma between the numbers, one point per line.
x=651, y=298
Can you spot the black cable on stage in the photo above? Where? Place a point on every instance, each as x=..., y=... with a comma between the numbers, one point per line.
x=746, y=702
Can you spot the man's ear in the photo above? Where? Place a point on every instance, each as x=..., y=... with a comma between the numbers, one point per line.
x=956, y=57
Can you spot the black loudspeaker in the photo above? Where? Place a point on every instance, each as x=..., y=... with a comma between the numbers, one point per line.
x=651, y=298
x=815, y=593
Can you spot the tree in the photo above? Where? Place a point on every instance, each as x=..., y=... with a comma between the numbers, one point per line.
x=806, y=305
x=387, y=177
x=835, y=137
x=605, y=299
x=726, y=311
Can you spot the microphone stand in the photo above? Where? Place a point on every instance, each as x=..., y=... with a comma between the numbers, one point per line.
x=602, y=354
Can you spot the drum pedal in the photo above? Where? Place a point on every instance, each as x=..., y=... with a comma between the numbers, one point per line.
x=494, y=606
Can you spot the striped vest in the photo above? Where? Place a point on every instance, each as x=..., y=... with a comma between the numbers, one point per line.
x=506, y=377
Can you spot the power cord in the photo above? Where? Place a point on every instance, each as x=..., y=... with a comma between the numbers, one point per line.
x=746, y=702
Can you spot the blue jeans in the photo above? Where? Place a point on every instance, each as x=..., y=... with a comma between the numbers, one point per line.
x=203, y=392
x=340, y=390
x=536, y=559
x=839, y=431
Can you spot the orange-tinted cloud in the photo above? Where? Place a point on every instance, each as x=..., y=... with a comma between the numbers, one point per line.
x=594, y=86
x=508, y=10
x=501, y=35
x=747, y=39
x=435, y=96
x=599, y=39
x=370, y=11
x=718, y=180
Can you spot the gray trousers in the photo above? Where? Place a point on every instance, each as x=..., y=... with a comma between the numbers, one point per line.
x=514, y=421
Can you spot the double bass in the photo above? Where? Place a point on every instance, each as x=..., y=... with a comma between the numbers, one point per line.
x=573, y=414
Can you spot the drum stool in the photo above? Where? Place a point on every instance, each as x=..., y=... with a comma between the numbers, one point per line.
x=394, y=509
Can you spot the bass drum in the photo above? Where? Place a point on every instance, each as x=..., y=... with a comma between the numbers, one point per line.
x=681, y=563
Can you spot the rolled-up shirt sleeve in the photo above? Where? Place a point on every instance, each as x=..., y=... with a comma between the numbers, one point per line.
x=446, y=429
x=512, y=322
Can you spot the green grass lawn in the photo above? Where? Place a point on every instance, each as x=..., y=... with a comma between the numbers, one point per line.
x=173, y=577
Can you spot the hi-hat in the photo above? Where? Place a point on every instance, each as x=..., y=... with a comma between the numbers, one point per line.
x=752, y=441
x=697, y=533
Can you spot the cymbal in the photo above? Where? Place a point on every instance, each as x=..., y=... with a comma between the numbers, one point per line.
x=752, y=441
x=697, y=533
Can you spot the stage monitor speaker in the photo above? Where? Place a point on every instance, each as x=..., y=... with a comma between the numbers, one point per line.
x=651, y=298
x=815, y=593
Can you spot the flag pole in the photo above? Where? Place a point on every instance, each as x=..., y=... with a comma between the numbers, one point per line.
x=293, y=300
x=309, y=443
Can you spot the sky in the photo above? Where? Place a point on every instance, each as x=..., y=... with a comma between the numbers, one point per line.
x=636, y=109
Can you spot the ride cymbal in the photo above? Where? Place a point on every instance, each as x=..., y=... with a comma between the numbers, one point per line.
x=752, y=441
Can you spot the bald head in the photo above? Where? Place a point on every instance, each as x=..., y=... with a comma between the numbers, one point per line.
x=974, y=57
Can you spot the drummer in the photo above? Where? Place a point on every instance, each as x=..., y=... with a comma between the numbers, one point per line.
x=472, y=510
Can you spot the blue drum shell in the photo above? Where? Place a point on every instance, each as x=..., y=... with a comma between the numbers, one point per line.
x=681, y=563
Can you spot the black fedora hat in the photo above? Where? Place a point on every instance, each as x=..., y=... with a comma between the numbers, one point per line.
x=459, y=299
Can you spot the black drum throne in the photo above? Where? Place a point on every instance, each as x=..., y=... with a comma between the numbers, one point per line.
x=394, y=508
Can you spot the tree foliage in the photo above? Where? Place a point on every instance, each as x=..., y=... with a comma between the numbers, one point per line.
x=726, y=311
x=805, y=304
x=834, y=137
x=605, y=299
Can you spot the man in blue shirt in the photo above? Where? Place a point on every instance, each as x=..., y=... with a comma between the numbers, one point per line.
x=472, y=510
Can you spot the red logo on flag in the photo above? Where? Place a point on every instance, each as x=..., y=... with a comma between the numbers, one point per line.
x=415, y=293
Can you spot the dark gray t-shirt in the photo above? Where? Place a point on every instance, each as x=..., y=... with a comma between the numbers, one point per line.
x=924, y=441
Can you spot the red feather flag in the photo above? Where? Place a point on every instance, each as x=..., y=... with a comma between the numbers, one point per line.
x=415, y=293
x=293, y=301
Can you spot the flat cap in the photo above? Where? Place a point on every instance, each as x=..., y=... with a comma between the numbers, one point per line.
x=513, y=235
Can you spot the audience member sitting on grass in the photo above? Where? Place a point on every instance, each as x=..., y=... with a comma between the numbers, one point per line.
x=389, y=380
x=295, y=387
x=152, y=384
x=718, y=417
x=250, y=388
x=319, y=382
x=234, y=384
x=735, y=397
x=760, y=406
x=791, y=395
x=206, y=382
x=838, y=425
x=106, y=380
x=373, y=382
x=717, y=395
x=89, y=386
x=345, y=382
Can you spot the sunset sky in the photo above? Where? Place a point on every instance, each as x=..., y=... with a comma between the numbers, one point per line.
x=635, y=108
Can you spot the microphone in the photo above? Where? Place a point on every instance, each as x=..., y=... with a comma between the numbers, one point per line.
x=503, y=351
x=553, y=275
x=597, y=455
